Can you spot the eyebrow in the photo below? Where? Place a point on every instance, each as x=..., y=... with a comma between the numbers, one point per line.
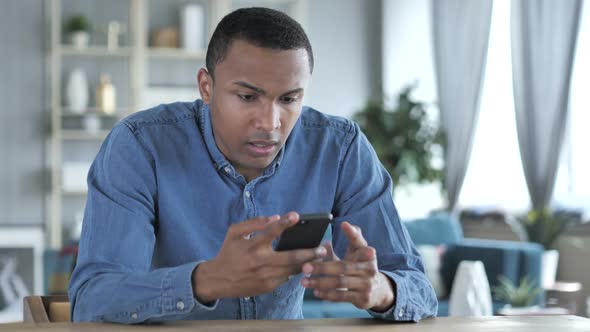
x=261, y=91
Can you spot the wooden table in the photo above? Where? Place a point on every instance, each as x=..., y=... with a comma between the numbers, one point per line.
x=443, y=324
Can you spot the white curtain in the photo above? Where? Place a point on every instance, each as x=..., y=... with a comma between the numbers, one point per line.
x=543, y=39
x=461, y=32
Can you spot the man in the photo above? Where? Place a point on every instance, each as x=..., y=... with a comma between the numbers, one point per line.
x=185, y=200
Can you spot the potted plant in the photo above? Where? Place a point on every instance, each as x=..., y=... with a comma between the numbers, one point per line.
x=520, y=298
x=406, y=141
x=77, y=28
x=544, y=226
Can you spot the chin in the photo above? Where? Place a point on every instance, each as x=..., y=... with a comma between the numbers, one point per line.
x=260, y=163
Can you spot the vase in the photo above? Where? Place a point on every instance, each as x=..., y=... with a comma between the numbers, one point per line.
x=192, y=18
x=549, y=263
x=77, y=91
x=470, y=292
x=79, y=39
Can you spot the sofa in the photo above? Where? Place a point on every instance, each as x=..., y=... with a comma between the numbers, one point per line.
x=512, y=259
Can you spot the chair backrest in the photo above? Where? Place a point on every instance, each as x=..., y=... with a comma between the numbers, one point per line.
x=46, y=309
x=440, y=228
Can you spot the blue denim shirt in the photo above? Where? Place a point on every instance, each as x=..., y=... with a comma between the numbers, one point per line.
x=162, y=196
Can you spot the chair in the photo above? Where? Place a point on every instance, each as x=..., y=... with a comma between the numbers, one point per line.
x=46, y=309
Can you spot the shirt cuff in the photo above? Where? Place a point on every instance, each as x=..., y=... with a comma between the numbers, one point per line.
x=399, y=311
x=178, y=296
x=175, y=300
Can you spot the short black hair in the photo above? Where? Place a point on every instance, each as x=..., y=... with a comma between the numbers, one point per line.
x=262, y=27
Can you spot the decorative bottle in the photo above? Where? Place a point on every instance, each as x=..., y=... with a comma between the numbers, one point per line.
x=105, y=95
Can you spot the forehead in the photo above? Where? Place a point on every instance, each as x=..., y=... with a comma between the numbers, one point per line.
x=266, y=68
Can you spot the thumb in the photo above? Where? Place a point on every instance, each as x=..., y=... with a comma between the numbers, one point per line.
x=354, y=235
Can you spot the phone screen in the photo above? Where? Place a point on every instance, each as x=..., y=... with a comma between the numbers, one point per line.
x=305, y=234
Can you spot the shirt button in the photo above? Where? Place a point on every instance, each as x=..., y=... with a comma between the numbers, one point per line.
x=180, y=305
x=134, y=316
x=247, y=193
x=227, y=169
x=247, y=298
x=401, y=312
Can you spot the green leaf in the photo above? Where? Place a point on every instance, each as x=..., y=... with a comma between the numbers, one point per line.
x=518, y=296
x=404, y=139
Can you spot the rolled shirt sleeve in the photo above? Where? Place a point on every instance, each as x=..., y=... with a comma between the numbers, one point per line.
x=113, y=280
x=365, y=199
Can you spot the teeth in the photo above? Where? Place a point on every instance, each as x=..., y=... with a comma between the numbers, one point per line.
x=260, y=145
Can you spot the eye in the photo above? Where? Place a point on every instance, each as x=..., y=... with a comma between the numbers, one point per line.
x=246, y=97
x=288, y=100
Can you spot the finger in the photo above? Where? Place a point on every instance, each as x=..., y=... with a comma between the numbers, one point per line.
x=296, y=257
x=330, y=254
x=362, y=254
x=249, y=226
x=277, y=272
x=347, y=268
x=336, y=282
x=276, y=228
x=354, y=235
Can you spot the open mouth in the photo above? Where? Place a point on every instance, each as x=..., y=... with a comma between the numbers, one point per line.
x=262, y=148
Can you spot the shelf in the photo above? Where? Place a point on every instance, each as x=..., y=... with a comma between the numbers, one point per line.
x=143, y=65
x=74, y=193
x=94, y=111
x=82, y=135
x=176, y=53
x=95, y=51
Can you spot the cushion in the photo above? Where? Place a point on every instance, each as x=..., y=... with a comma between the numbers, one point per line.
x=432, y=260
x=434, y=230
x=497, y=258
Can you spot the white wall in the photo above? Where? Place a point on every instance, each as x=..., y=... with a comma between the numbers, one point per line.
x=22, y=129
x=345, y=36
x=407, y=48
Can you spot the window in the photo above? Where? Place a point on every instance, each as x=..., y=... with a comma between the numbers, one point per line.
x=495, y=176
x=572, y=188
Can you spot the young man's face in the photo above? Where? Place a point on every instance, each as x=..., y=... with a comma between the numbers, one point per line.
x=255, y=100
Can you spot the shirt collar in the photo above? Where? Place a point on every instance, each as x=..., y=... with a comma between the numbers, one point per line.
x=218, y=159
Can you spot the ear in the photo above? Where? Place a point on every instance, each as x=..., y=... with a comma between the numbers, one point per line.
x=205, y=82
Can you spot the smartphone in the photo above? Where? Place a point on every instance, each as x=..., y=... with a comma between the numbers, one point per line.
x=306, y=233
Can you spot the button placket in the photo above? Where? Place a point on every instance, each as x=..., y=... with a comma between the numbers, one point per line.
x=248, y=310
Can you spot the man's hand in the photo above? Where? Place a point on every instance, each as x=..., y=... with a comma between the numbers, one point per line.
x=248, y=266
x=355, y=279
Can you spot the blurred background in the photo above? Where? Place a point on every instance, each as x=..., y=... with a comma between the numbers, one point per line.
x=478, y=109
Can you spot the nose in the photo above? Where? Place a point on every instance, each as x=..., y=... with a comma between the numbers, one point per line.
x=268, y=118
